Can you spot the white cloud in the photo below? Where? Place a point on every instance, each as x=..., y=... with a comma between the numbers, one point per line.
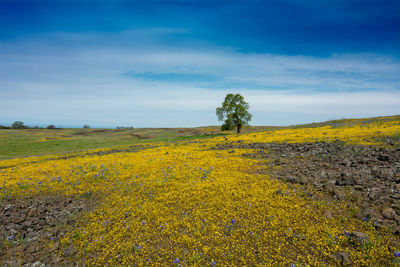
x=45, y=80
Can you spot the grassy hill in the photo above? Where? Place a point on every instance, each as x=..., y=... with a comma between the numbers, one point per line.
x=29, y=142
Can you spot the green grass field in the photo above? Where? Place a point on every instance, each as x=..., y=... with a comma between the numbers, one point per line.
x=34, y=142
x=28, y=142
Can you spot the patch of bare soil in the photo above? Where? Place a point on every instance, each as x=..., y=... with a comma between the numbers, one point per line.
x=188, y=132
x=367, y=177
x=31, y=228
x=142, y=136
x=88, y=132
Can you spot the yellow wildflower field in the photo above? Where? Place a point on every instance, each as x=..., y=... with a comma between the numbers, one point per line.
x=185, y=204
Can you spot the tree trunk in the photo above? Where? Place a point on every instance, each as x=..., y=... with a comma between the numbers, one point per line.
x=239, y=127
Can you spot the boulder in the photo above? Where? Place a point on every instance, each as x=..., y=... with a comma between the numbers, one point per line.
x=341, y=257
x=388, y=213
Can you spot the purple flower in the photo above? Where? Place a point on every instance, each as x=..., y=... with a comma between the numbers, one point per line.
x=143, y=222
x=140, y=247
x=233, y=221
x=11, y=237
x=397, y=253
x=348, y=234
x=212, y=263
x=364, y=219
x=177, y=261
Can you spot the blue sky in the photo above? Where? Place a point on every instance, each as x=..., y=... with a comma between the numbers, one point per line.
x=170, y=63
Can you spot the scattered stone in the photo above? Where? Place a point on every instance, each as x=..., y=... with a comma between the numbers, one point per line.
x=341, y=196
x=328, y=214
x=38, y=264
x=37, y=221
x=366, y=175
x=383, y=157
x=388, y=213
x=345, y=179
x=341, y=257
x=359, y=236
x=68, y=252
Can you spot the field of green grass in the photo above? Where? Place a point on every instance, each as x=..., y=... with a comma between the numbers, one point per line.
x=35, y=142
x=15, y=143
x=32, y=142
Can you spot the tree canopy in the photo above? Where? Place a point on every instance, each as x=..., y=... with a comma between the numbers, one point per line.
x=18, y=125
x=234, y=112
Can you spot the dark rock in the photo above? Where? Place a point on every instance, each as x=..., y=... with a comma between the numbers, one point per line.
x=32, y=212
x=68, y=252
x=359, y=236
x=341, y=257
x=383, y=157
x=388, y=213
x=345, y=179
x=339, y=194
x=292, y=179
x=368, y=212
x=328, y=214
x=323, y=174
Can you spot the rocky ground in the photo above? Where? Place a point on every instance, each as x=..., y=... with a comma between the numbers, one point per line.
x=31, y=228
x=366, y=176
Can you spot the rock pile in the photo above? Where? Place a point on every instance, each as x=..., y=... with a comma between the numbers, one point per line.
x=30, y=229
x=368, y=176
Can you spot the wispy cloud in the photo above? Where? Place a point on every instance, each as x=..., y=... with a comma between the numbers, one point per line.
x=136, y=77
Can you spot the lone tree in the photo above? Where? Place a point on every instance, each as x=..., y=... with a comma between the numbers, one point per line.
x=18, y=125
x=234, y=111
